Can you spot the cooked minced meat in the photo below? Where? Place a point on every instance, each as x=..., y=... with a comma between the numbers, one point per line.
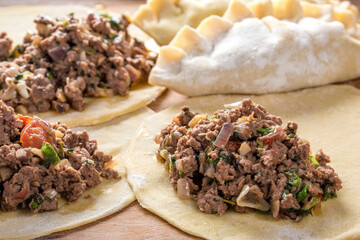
x=5, y=46
x=70, y=58
x=243, y=158
x=41, y=162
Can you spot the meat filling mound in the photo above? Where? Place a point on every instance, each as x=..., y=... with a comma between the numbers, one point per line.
x=244, y=159
x=70, y=58
x=41, y=162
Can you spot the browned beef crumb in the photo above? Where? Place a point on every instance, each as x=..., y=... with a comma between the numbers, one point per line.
x=5, y=46
x=25, y=182
x=263, y=166
x=70, y=58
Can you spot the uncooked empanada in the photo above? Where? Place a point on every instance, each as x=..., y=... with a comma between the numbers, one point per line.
x=302, y=44
x=162, y=19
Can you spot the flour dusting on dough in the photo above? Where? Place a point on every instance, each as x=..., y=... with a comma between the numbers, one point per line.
x=138, y=181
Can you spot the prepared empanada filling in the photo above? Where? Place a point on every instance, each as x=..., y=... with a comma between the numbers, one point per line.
x=242, y=158
x=41, y=162
x=70, y=58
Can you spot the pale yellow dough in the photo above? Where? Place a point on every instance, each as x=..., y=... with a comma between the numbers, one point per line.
x=328, y=117
x=110, y=196
x=162, y=19
x=262, y=46
x=19, y=19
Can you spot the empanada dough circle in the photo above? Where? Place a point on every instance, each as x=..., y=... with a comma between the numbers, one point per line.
x=328, y=117
x=19, y=19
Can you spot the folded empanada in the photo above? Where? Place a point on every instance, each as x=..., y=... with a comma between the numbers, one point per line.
x=162, y=19
x=263, y=46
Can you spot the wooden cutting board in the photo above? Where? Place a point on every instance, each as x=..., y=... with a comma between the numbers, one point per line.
x=132, y=222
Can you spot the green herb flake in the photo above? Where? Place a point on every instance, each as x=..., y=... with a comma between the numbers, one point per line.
x=15, y=53
x=327, y=195
x=112, y=36
x=296, y=158
x=265, y=130
x=172, y=164
x=312, y=203
x=19, y=76
x=181, y=174
x=291, y=130
x=216, y=200
x=186, y=111
x=302, y=194
x=302, y=212
x=50, y=156
x=228, y=201
x=214, y=212
x=101, y=85
x=312, y=159
x=82, y=73
x=105, y=14
x=288, y=187
x=260, y=144
x=37, y=202
x=115, y=24
x=293, y=178
x=49, y=74
x=48, y=199
x=283, y=196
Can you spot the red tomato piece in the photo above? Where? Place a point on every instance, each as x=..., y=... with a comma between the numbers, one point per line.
x=26, y=120
x=21, y=194
x=35, y=133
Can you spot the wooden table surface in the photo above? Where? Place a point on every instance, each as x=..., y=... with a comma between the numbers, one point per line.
x=132, y=222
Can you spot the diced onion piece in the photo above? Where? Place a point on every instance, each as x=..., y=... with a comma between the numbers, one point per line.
x=8, y=94
x=246, y=119
x=183, y=188
x=43, y=29
x=101, y=92
x=60, y=95
x=224, y=135
x=247, y=199
x=57, y=53
x=11, y=72
x=196, y=119
x=101, y=60
x=210, y=172
x=82, y=56
x=50, y=193
x=36, y=41
x=41, y=71
x=58, y=134
x=21, y=154
x=275, y=208
x=21, y=109
x=37, y=152
x=202, y=157
x=244, y=149
x=22, y=89
x=233, y=105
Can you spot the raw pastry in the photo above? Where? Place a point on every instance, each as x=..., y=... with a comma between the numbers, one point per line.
x=239, y=53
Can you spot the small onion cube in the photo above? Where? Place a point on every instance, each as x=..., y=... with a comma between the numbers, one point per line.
x=224, y=135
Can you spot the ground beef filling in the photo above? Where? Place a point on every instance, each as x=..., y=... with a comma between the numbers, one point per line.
x=243, y=158
x=70, y=58
x=41, y=162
